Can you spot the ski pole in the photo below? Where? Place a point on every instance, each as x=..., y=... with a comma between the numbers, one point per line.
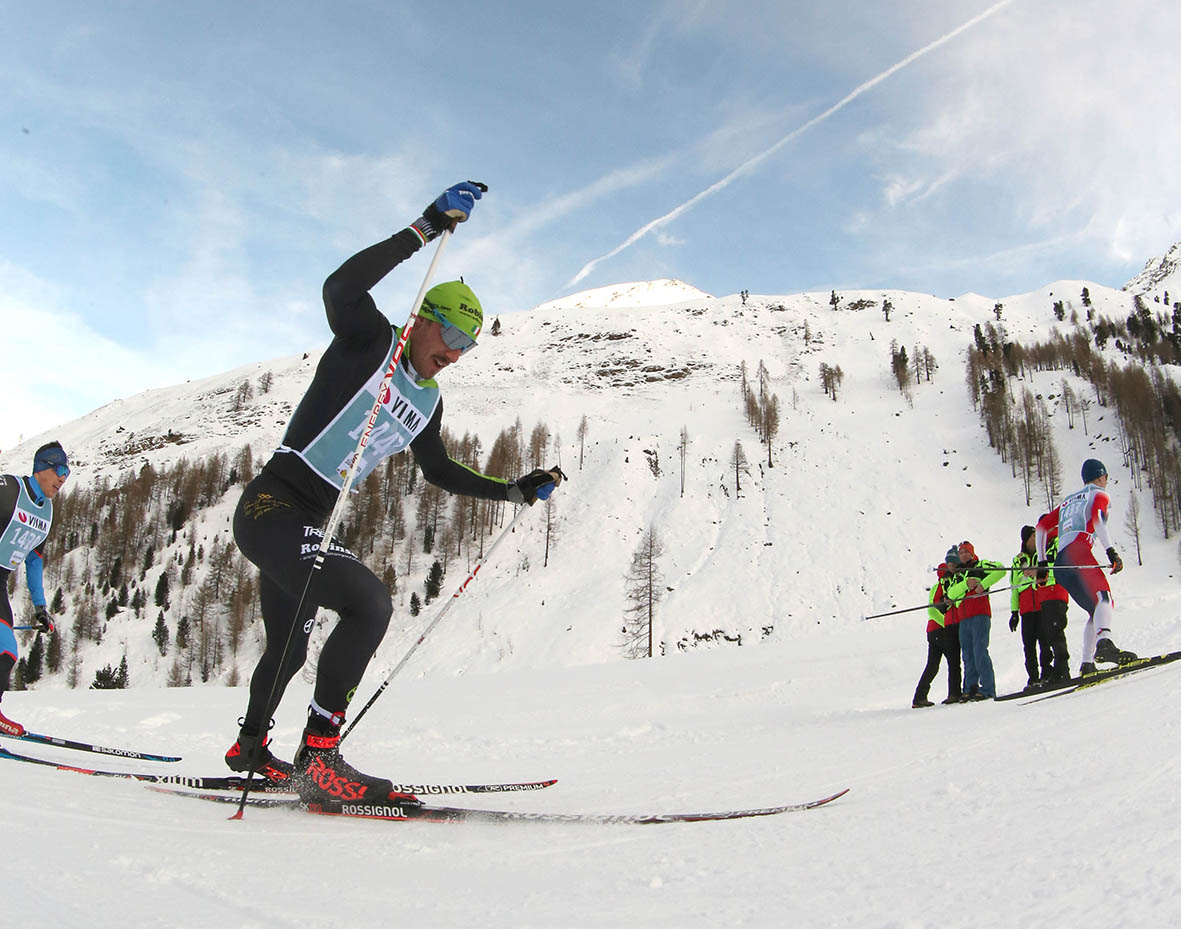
x=342, y=497
x=1061, y=567
x=434, y=622
x=927, y=606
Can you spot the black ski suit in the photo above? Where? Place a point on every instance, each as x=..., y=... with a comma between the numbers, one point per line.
x=279, y=520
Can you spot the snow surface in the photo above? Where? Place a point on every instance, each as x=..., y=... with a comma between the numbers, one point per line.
x=1056, y=814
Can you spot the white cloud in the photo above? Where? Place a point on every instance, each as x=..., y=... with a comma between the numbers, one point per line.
x=56, y=367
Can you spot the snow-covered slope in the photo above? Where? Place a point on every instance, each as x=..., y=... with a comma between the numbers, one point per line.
x=959, y=817
x=1161, y=275
x=862, y=496
x=660, y=292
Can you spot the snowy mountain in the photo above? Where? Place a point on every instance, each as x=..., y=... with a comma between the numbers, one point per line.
x=772, y=688
x=660, y=292
x=1161, y=275
x=876, y=471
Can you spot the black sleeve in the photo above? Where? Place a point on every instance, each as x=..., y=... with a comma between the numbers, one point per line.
x=351, y=311
x=9, y=494
x=443, y=471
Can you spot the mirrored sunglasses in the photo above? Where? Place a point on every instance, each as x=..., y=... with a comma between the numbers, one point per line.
x=453, y=336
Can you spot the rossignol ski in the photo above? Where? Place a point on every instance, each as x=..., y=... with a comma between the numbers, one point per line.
x=394, y=812
x=231, y=785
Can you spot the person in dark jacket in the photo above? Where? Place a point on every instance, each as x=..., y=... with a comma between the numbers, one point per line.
x=1026, y=612
x=1053, y=602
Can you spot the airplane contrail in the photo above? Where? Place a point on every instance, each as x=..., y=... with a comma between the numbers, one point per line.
x=764, y=155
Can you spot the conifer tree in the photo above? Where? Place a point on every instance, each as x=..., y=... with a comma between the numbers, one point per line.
x=644, y=589
x=53, y=652
x=434, y=581
x=35, y=661
x=160, y=634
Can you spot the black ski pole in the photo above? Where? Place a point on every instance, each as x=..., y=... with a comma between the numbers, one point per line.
x=927, y=606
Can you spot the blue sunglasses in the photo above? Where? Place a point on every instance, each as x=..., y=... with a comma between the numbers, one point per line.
x=453, y=336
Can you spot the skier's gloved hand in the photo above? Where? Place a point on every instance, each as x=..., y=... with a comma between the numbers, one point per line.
x=43, y=620
x=451, y=207
x=1014, y=618
x=534, y=486
x=1117, y=563
x=1043, y=571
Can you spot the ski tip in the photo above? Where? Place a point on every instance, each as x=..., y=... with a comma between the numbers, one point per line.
x=238, y=816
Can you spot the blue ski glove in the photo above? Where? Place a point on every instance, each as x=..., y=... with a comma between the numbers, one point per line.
x=534, y=486
x=451, y=207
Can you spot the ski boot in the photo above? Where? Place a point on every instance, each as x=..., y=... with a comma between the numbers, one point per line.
x=8, y=727
x=1106, y=650
x=252, y=749
x=322, y=775
x=1087, y=668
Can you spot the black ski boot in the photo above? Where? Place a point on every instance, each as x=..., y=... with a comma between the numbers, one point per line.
x=1087, y=668
x=252, y=749
x=1106, y=650
x=322, y=775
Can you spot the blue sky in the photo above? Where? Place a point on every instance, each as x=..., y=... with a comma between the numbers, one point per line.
x=179, y=179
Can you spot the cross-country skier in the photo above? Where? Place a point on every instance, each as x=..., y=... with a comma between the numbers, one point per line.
x=1077, y=522
x=278, y=522
x=26, y=513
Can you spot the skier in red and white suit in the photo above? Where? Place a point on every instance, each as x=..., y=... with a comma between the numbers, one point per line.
x=1077, y=522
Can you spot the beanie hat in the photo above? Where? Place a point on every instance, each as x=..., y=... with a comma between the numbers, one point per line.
x=1026, y=532
x=952, y=558
x=49, y=457
x=454, y=304
x=1093, y=469
x=966, y=549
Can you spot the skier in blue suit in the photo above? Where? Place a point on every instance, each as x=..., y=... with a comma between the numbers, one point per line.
x=26, y=514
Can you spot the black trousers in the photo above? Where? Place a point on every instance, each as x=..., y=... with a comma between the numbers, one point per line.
x=942, y=643
x=7, y=661
x=1053, y=636
x=1032, y=638
x=283, y=540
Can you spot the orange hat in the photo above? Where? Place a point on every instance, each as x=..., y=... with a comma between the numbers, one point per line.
x=967, y=552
